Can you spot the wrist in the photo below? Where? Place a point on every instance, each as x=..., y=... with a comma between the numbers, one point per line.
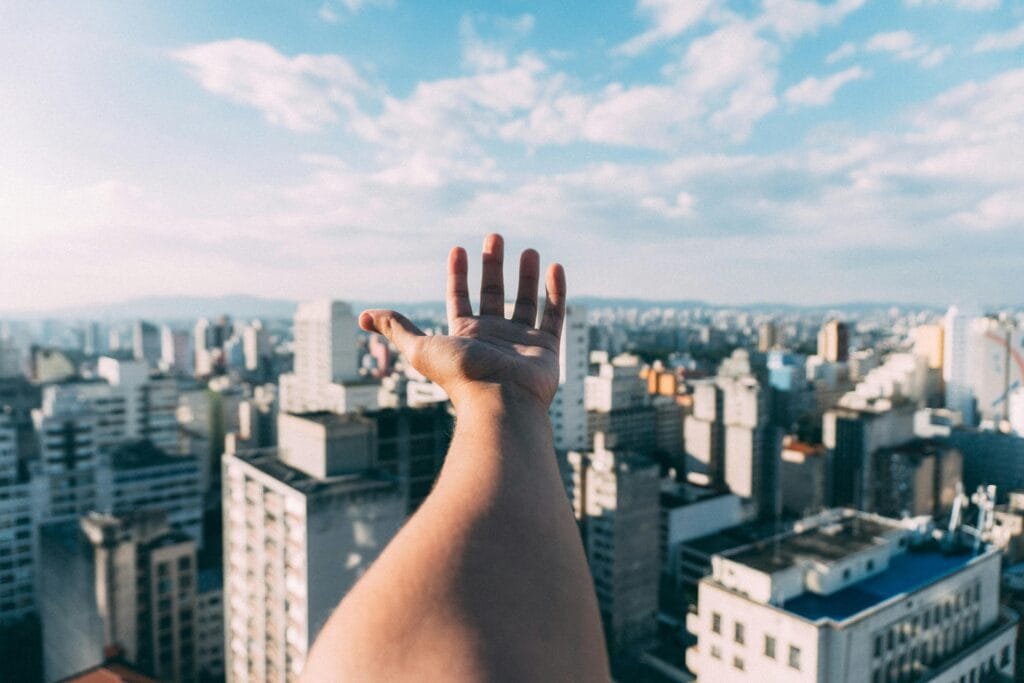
x=504, y=401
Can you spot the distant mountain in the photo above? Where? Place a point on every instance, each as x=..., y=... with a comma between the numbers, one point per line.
x=171, y=308
x=246, y=306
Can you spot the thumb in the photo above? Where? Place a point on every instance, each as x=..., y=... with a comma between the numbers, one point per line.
x=396, y=327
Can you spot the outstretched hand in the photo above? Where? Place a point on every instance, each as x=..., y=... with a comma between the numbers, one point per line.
x=487, y=352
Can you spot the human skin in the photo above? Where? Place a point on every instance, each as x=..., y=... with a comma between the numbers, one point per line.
x=488, y=580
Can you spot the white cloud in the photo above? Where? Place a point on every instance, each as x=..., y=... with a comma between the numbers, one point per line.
x=1006, y=40
x=817, y=92
x=905, y=46
x=794, y=18
x=491, y=54
x=971, y=5
x=845, y=50
x=301, y=93
x=670, y=18
x=327, y=14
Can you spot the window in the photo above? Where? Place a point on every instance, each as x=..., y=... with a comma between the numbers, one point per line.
x=794, y=657
x=716, y=652
x=1004, y=657
x=846, y=575
x=879, y=645
x=738, y=633
x=871, y=565
x=716, y=622
x=769, y=647
x=738, y=663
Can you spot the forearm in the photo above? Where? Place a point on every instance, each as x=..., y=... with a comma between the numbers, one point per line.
x=488, y=580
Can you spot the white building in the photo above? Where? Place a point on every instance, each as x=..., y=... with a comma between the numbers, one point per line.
x=996, y=366
x=295, y=542
x=10, y=358
x=150, y=402
x=176, y=352
x=956, y=359
x=852, y=597
x=616, y=497
x=326, y=375
x=255, y=346
x=568, y=413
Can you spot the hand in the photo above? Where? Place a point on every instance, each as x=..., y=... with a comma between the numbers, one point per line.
x=487, y=352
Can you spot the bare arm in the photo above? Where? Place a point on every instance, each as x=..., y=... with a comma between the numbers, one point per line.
x=488, y=580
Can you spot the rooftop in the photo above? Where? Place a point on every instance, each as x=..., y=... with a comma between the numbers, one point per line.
x=907, y=572
x=266, y=461
x=827, y=544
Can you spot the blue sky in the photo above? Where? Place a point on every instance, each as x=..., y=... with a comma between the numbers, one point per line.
x=782, y=150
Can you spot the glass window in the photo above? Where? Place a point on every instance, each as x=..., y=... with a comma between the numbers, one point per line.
x=769, y=647
x=738, y=663
x=716, y=652
x=794, y=657
x=738, y=633
x=716, y=622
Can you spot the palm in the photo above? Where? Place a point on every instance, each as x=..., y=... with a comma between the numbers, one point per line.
x=487, y=349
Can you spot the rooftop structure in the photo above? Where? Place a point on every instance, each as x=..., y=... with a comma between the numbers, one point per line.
x=851, y=596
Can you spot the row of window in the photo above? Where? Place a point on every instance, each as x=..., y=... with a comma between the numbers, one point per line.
x=931, y=617
x=739, y=637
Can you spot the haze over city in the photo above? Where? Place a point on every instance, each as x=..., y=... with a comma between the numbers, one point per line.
x=734, y=152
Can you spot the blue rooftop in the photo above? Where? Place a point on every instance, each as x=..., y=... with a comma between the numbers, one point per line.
x=907, y=572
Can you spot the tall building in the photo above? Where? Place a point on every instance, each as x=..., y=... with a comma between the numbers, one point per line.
x=301, y=524
x=255, y=346
x=617, y=496
x=326, y=374
x=767, y=336
x=617, y=402
x=996, y=366
x=852, y=436
x=176, y=352
x=915, y=478
x=150, y=401
x=704, y=434
x=852, y=597
x=10, y=358
x=210, y=624
x=17, y=530
x=411, y=447
x=956, y=358
x=568, y=413
x=138, y=475
x=125, y=582
x=803, y=477
x=146, y=342
x=834, y=342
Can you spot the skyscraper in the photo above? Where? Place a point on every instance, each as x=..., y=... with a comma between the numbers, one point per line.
x=568, y=414
x=17, y=530
x=956, y=358
x=146, y=342
x=150, y=401
x=127, y=582
x=301, y=523
x=326, y=375
x=833, y=341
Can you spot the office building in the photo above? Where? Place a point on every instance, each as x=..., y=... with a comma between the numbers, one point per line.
x=617, y=402
x=768, y=336
x=834, y=342
x=991, y=457
x=138, y=475
x=804, y=476
x=704, y=434
x=10, y=358
x=326, y=374
x=17, y=530
x=256, y=347
x=956, y=358
x=996, y=366
x=126, y=583
x=568, y=413
x=617, y=495
x=852, y=436
x=918, y=477
x=210, y=624
x=176, y=352
x=411, y=444
x=301, y=524
x=150, y=401
x=852, y=597
x=146, y=343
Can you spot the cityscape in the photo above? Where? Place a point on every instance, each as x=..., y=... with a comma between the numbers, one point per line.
x=818, y=495
x=789, y=417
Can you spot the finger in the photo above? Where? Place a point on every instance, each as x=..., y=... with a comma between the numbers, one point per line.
x=492, y=282
x=526, y=298
x=396, y=327
x=458, y=289
x=554, y=304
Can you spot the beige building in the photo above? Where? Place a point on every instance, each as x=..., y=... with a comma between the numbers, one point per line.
x=301, y=524
x=852, y=597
